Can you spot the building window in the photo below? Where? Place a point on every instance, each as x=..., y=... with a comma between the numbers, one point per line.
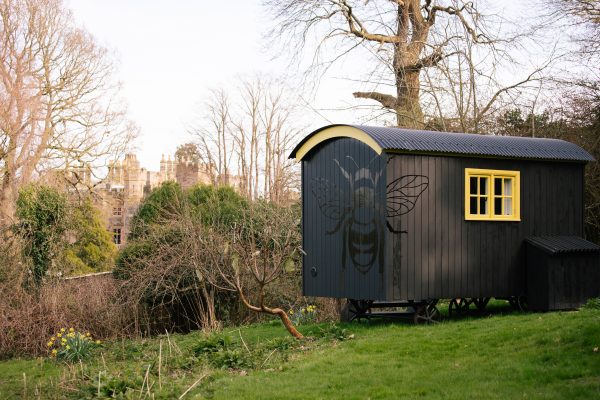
x=492, y=195
x=117, y=235
x=117, y=211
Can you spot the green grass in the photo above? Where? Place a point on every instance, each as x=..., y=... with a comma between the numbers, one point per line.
x=502, y=356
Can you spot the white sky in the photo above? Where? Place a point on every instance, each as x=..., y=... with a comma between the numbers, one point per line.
x=171, y=53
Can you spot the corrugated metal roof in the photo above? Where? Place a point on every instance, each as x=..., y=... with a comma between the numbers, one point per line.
x=408, y=140
x=563, y=244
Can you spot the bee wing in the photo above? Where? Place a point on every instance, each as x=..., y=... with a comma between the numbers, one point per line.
x=329, y=198
x=403, y=193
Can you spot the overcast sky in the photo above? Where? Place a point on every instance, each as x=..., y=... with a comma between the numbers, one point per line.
x=171, y=53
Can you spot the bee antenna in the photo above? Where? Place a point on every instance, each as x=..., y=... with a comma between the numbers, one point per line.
x=350, y=157
x=344, y=172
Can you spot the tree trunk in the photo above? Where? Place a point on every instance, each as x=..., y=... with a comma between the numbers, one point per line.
x=408, y=108
x=273, y=311
x=287, y=323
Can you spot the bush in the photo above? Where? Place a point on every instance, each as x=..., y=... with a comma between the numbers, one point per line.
x=29, y=319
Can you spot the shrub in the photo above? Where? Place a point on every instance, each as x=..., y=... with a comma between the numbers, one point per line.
x=29, y=319
x=42, y=215
x=212, y=344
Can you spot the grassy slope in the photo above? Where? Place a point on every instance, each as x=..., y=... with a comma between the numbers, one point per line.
x=503, y=356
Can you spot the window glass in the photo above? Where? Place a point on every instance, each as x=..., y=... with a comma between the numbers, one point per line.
x=507, y=187
x=497, y=186
x=483, y=185
x=473, y=184
x=473, y=205
x=508, y=206
x=483, y=205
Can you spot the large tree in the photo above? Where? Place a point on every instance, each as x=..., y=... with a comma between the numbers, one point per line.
x=403, y=39
x=58, y=101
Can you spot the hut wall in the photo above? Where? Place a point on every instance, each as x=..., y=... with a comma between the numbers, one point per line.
x=343, y=218
x=444, y=256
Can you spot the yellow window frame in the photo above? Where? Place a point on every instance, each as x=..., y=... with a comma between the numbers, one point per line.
x=491, y=174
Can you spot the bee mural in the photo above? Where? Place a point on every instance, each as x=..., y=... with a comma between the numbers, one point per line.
x=360, y=215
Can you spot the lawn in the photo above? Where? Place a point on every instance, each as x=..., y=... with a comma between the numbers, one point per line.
x=499, y=356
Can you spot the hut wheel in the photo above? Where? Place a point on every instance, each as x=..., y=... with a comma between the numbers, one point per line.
x=458, y=306
x=426, y=313
x=355, y=309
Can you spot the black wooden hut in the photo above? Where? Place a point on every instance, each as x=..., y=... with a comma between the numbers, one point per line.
x=398, y=215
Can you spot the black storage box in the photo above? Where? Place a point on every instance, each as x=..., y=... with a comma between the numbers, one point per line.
x=563, y=272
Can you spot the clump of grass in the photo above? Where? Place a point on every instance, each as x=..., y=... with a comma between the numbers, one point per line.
x=71, y=345
x=592, y=304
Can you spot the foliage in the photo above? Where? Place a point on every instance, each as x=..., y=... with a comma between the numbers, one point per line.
x=593, y=304
x=93, y=249
x=42, y=213
x=160, y=264
x=162, y=202
x=216, y=205
x=58, y=233
x=71, y=345
x=212, y=343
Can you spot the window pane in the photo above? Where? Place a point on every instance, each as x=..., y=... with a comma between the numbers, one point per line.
x=483, y=185
x=498, y=206
x=483, y=201
x=473, y=205
x=497, y=186
x=508, y=186
x=473, y=185
x=508, y=206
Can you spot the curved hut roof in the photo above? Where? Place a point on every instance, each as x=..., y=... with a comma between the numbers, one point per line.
x=398, y=140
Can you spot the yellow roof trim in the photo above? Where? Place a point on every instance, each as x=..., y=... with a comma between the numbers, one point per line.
x=335, y=132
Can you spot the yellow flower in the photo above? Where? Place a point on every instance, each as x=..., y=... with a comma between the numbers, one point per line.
x=291, y=312
x=87, y=334
x=49, y=344
x=71, y=334
x=53, y=338
x=58, y=335
x=64, y=340
x=71, y=330
x=97, y=342
x=62, y=329
x=68, y=347
x=54, y=352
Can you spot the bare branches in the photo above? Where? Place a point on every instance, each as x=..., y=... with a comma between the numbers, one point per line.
x=248, y=141
x=58, y=101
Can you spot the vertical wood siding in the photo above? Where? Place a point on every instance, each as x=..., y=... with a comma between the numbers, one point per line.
x=444, y=256
x=324, y=250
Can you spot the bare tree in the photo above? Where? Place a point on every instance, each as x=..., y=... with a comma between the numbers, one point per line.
x=252, y=255
x=247, y=142
x=400, y=42
x=58, y=101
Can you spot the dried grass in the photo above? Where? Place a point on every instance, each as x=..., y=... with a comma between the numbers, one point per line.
x=27, y=320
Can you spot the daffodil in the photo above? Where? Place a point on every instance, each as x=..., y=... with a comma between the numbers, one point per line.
x=71, y=330
x=58, y=335
x=97, y=342
x=54, y=352
x=68, y=347
x=62, y=329
x=49, y=344
x=87, y=334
